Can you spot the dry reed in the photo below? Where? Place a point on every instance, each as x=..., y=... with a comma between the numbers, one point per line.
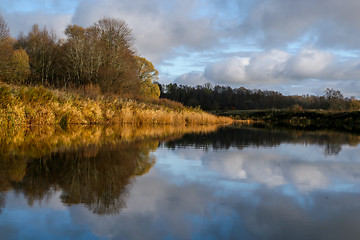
x=28, y=106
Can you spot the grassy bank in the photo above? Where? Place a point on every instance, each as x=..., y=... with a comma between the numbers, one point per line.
x=310, y=119
x=29, y=106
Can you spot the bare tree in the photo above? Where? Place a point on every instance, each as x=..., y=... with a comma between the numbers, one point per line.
x=4, y=30
x=41, y=47
x=118, y=72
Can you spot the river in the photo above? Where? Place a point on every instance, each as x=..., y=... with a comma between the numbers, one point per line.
x=228, y=183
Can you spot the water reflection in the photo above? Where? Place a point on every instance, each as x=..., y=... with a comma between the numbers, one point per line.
x=293, y=160
x=242, y=137
x=95, y=176
x=238, y=183
x=93, y=166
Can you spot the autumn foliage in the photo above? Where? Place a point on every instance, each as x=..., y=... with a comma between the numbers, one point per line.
x=14, y=64
x=101, y=56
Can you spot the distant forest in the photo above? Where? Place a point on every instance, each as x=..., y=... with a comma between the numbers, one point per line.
x=226, y=98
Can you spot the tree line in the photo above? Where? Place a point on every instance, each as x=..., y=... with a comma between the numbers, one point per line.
x=101, y=55
x=218, y=97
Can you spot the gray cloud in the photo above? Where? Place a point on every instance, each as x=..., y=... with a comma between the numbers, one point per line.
x=159, y=26
x=330, y=23
x=22, y=22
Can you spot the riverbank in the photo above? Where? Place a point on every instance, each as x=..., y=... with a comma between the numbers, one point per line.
x=29, y=106
x=306, y=119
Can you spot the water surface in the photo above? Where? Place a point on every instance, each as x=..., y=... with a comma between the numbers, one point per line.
x=233, y=183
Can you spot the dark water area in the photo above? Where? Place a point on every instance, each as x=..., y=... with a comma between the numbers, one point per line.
x=231, y=183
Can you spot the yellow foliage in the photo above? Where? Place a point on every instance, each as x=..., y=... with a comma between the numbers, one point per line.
x=20, y=66
x=148, y=76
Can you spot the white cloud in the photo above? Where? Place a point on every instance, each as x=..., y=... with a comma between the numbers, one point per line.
x=231, y=70
x=284, y=165
x=268, y=67
x=191, y=78
x=311, y=63
x=275, y=67
x=331, y=23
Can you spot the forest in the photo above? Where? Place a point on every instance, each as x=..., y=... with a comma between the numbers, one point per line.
x=100, y=58
x=215, y=98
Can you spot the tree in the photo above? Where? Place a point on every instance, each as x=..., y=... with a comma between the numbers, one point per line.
x=20, y=68
x=6, y=50
x=354, y=104
x=335, y=99
x=148, y=76
x=14, y=65
x=333, y=94
x=4, y=29
x=41, y=46
x=101, y=55
x=118, y=71
x=82, y=58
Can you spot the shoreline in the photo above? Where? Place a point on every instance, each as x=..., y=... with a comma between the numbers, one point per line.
x=307, y=119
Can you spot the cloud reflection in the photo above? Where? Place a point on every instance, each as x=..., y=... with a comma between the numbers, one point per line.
x=274, y=167
x=158, y=209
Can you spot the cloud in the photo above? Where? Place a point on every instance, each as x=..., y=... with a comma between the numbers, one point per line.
x=191, y=78
x=159, y=26
x=22, y=22
x=232, y=70
x=311, y=63
x=279, y=67
x=267, y=67
x=275, y=23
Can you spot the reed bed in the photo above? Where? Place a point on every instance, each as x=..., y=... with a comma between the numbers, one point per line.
x=29, y=106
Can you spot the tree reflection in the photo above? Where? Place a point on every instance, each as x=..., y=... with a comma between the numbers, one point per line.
x=332, y=149
x=93, y=166
x=242, y=137
x=2, y=201
x=96, y=176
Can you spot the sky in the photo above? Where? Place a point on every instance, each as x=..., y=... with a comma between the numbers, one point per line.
x=294, y=47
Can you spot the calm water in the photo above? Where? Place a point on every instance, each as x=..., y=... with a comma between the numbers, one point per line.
x=235, y=183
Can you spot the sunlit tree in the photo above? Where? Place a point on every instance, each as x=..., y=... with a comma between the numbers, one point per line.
x=148, y=76
x=20, y=68
x=14, y=65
